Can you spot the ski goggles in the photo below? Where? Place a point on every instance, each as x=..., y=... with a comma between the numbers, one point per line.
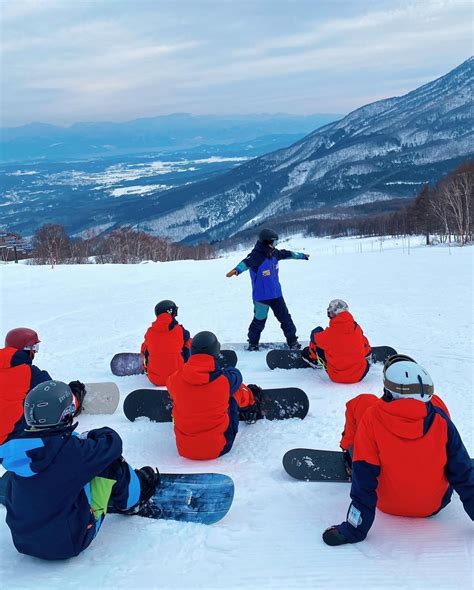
x=33, y=347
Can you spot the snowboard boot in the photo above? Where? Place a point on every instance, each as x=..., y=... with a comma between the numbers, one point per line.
x=312, y=362
x=250, y=414
x=293, y=343
x=253, y=347
x=149, y=479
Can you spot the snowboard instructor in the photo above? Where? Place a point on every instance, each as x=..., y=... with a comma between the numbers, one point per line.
x=266, y=289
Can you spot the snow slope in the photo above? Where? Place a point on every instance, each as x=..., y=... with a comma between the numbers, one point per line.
x=416, y=299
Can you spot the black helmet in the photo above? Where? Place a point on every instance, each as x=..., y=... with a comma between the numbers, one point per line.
x=206, y=343
x=166, y=306
x=267, y=235
x=49, y=404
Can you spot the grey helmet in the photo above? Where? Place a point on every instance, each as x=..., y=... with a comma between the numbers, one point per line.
x=206, y=343
x=49, y=404
x=166, y=306
x=267, y=236
x=336, y=306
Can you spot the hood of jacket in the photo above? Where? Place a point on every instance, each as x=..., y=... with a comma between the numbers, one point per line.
x=343, y=322
x=199, y=368
x=404, y=418
x=163, y=323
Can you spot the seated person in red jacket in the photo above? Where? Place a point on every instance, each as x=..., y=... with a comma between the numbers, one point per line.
x=342, y=348
x=166, y=344
x=18, y=375
x=208, y=401
x=407, y=454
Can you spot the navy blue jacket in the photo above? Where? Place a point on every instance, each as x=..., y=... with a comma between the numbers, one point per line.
x=263, y=264
x=48, y=511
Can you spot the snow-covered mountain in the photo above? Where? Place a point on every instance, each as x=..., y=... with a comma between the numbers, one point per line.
x=384, y=150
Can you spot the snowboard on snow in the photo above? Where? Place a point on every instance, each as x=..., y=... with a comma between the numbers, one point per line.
x=315, y=465
x=199, y=497
x=157, y=406
x=292, y=359
x=243, y=346
x=130, y=363
x=101, y=398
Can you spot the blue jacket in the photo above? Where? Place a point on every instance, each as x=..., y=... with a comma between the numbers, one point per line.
x=48, y=511
x=263, y=264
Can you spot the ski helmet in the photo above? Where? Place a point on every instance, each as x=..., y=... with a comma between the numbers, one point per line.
x=407, y=379
x=267, y=236
x=336, y=306
x=49, y=404
x=22, y=339
x=166, y=306
x=206, y=343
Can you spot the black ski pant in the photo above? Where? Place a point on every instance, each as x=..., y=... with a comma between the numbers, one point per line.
x=260, y=314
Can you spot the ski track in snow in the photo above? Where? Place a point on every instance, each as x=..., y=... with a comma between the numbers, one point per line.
x=420, y=303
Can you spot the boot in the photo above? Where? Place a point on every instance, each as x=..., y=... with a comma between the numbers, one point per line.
x=149, y=479
x=252, y=347
x=250, y=414
x=293, y=343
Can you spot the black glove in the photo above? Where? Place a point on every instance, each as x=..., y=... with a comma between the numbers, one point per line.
x=306, y=256
x=333, y=537
x=347, y=462
x=79, y=391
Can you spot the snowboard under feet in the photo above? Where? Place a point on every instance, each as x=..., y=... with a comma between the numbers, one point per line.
x=157, y=406
x=130, y=363
x=101, y=398
x=315, y=465
x=199, y=497
x=292, y=359
x=263, y=346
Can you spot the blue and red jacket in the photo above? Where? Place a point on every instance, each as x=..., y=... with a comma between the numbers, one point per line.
x=408, y=456
x=165, y=348
x=206, y=401
x=48, y=509
x=345, y=348
x=263, y=264
x=17, y=376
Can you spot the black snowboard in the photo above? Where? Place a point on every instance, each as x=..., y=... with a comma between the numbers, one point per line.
x=292, y=359
x=315, y=465
x=156, y=404
x=243, y=346
x=198, y=497
x=130, y=363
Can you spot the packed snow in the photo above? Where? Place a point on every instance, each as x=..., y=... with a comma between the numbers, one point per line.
x=417, y=299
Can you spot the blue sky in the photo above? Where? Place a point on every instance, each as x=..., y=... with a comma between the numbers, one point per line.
x=64, y=61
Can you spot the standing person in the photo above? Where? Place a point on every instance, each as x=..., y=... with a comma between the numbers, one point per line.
x=18, y=375
x=266, y=289
x=208, y=401
x=407, y=454
x=341, y=349
x=166, y=345
x=62, y=484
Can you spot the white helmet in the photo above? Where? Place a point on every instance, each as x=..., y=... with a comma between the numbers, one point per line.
x=336, y=306
x=407, y=379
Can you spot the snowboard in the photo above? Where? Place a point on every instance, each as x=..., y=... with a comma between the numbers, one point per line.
x=242, y=346
x=199, y=497
x=157, y=406
x=292, y=359
x=130, y=363
x=101, y=398
x=315, y=465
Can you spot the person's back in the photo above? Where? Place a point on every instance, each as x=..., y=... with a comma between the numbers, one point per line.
x=344, y=345
x=206, y=402
x=407, y=455
x=166, y=345
x=17, y=376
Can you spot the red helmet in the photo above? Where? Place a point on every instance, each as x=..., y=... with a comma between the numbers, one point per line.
x=21, y=338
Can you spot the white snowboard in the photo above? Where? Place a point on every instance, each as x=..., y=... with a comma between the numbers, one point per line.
x=101, y=398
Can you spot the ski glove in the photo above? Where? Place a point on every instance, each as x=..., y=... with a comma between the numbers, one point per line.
x=79, y=391
x=333, y=537
x=306, y=256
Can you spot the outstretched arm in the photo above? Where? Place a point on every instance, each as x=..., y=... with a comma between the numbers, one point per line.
x=240, y=268
x=284, y=254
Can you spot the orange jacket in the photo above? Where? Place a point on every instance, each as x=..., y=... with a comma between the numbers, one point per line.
x=345, y=348
x=165, y=348
x=14, y=385
x=205, y=406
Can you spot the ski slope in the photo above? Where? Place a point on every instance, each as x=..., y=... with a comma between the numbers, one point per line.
x=415, y=298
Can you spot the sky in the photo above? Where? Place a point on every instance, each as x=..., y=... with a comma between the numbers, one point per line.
x=64, y=61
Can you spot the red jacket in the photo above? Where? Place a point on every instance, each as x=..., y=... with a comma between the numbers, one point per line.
x=205, y=406
x=345, y=348
x=165, y=349
x=14, y=385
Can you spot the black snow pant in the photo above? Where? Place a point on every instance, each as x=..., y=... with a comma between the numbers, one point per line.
x=278, y=306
